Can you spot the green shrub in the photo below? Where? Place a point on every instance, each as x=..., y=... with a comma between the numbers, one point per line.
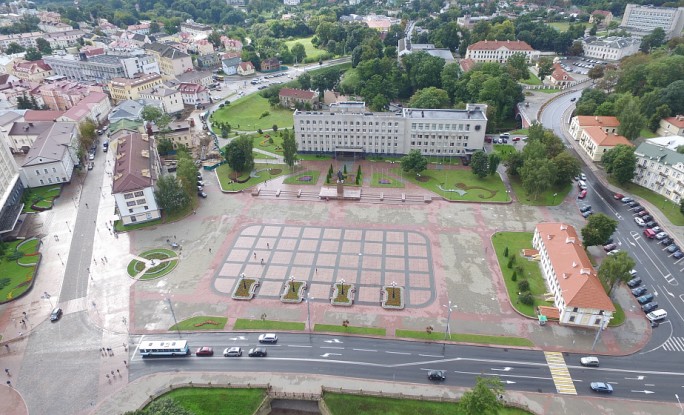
x=524, y=285
x=514, y=277
x=526, y=298
x=506, y=252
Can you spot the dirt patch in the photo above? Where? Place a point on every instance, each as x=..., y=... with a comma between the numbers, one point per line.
x=275, y=172
x=423, y=179
x=488, y=194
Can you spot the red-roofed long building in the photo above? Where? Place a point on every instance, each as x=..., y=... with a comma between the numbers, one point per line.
x=290, y=97
x=578, y=123
x=571, y=279
x=499, y=50
x=595, y=141
x=136, y=170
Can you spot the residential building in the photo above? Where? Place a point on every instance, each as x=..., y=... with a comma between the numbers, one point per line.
x=54, y=27
x=178, y=132
x=7, y=62
x=96, y=106
x=660, y=167
x=639, y=20
x=124, y=88
x=141, y=29
x=291, y=2
x=559, y=77
x=171, y=99
x=500, y=50
x=203, y=78
x=201, y=47
x=231, y=45
x=130, y=110
x=578, y=296
x=12, y=90
x=11, y=186
x=672, y=126
x=62, y=40
x=380, y=23
x=195, y=29
x=49, y=17
x=33, y=71
x=52, y=156
x=245, y=68
x=612, y=48
x=601, y=15
x=135, y=173
x=405, y=47
x=142, y=64
x=290, y=98
x=209, y=61
x=62, y=95
x=193, y=94
x=469, y=21
x=26, y=40
x=270, y=65
x=609, y=125
x=595, y=141
x=100, y=68
x=33, y=116
x=172, y=62
x=230, y=65
x=348, y=127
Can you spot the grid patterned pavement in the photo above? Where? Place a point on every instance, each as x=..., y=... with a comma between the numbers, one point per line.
x=368, y=258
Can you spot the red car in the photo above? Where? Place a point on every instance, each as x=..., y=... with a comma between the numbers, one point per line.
x=516, y=138
x=582, y=194
x=205, y=351
x=618, y=196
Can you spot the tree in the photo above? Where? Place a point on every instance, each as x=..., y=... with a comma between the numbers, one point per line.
x=596, y=72
x=516, y=65
x=430, y=98
x=616, y=268
x=33, y=54
x=653, y=40
x=214, y=38
x=620, y=162
x=13, y=48
x=576, y=49
x=154, y=27
x=566, y=167
x=493, y=163
x=537, y=175
x=170, y=194
x=631, y=120
x=479, y=164
x=598, y=229
x=661, y=112
x=483, y=399
x=86, y=136
x=545, y=67
x=299, y=52
x=450, y=75
x=305, y=81
x=413, y=162
x=164, y=146
x=186, y=173
x=239, y=154
x=43, y=46
x=289, y=148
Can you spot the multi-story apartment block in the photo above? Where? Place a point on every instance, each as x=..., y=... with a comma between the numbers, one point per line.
x=347, y=127
x=54, y=27
x=595, y=141
x=660, y=167
x=210, y=61
x=193, y=94
x=172, y=62
x=141, y=29
x=125, y=88
x=195, y=29
x=578, y=296
x=290, y=97
x=136, y=169
x=26, y=40
x=499, y=50
x=641, y=20
x=53, y=155
x=231, y=45
x=62, y=95
x=171, y=99
x=34, y=71
x=611, y=48
x=61, y=40
x=11, y=186
x=178, y=132
x=95, y=106
x=100, y=69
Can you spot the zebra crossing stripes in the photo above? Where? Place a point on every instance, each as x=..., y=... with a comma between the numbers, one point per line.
x=674, y=344
x=560, y=374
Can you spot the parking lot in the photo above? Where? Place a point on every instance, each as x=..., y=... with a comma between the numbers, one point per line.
x=580, y=66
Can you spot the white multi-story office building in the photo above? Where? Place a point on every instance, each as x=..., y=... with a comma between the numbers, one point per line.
x=347, y=127
x=610, y=48
x=11, y=187
x=641, y=20
x=500, y=50
x=660, y=167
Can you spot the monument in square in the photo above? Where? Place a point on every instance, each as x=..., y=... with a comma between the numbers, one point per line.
x=340, y=192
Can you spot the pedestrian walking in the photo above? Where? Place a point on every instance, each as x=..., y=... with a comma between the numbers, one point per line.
x=174, y=237
x=24, y=313
x=7, y=371
x=112, y=373
x=316, y=270
x=117, y=371
x=125, y=363
x=255, y=255
x=9, y=383
x=210, y=250
x=268, y=246
x=87, y=206
x=7, y=346
x=262, y=261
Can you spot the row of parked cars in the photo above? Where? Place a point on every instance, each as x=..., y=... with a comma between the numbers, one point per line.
x=237, y=351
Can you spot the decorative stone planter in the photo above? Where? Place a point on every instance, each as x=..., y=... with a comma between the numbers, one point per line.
x=245, y=289
x=293, y=296
x=392, y=297
x=346, y=299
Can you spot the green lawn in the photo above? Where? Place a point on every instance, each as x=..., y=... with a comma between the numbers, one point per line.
x=201, y=323
x=217, y=401
x=41, y=196
x=374, y=331
x=560, y=26
x=467, y=338
x=451, y=161
x=296, y=179
x=263, y=141
x=504, y=150
x=224, y=173
x=314, y=157
x=548, y=90
x=489, y=189
x=393, y=181
x=646, y=133
x=545, y=199
x=532, y=80
x=340, y=404
x=245, y=114
x=311, y=51
x=522, y=131
x=515, y=241
x=247, y=324
x=667, y=207
x=14, y=278
x=262, y=156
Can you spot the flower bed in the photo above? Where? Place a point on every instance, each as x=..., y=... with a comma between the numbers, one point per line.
x=293, y=292
x=393, y=297
x=343, y=294
x=245, y=289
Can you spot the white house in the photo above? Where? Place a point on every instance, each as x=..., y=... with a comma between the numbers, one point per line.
x=607, y=123
x=500, y=50
x=171, y=99
x=52, y=157
x=660, y=167
x=611, y=48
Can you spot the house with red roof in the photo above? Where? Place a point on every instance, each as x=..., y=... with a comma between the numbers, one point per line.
x=270, y=65
x=595, y=141
x=95, y=106
x=602, y=16
x=245, y=68
x=34, y=71
x=671, y=126
x=578, y=123
x=291, y=97
x=559, y=77
x=193, y=94
x=500, y=50
x=573, y=284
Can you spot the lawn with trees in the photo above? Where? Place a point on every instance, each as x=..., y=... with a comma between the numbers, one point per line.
x=252, y=113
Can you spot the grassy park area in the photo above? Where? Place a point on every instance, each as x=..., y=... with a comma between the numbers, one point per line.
x=381, y=179
x=311, y=51
x=42, y=197
x=458, y=184
x=546, y=198
x=560, y=26
x=247, y=324
x=309, y=177
x=264, y=171
x=217, y=401
x=253, y=112
x=15, y=279
x=201, y=323
x=532, y=80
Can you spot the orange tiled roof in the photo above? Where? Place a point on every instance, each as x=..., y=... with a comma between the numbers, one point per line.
x=677, y=121
x=594, y=120
x=496, y=44
x=601, y=138
x=577, y=278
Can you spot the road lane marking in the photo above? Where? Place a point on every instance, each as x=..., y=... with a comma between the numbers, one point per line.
x=366, y=350
x=560, y=374
x=503, y=376
x=332, y=347
x=396, y=352
x=429, y=355
x=297, y=345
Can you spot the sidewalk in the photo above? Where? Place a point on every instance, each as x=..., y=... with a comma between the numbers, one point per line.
x=135, y=394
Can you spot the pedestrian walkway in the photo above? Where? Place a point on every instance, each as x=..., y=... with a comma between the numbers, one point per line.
x=559, y=373
x=674, y=344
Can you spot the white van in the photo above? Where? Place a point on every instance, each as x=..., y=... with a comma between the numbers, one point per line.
x=582, y=184
x=656, y=315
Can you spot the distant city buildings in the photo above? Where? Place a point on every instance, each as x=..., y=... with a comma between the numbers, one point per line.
x=640, y=21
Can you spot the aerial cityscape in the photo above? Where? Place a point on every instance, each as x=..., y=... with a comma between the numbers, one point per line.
x=341, y=207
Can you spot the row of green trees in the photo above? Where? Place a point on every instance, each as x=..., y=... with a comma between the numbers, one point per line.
x=177, y=193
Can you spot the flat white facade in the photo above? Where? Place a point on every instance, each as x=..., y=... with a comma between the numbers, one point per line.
x=499, y=51
x=641, y=20
x=137, y=206
x=611, y=48
x=347, y=126
x=660, y=167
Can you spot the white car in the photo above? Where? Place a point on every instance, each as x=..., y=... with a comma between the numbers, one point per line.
x=232, y=352
x=613, y=252
x=639, y=221
x=268, y=338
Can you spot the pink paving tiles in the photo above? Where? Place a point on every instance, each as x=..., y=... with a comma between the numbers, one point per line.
x=323, y=255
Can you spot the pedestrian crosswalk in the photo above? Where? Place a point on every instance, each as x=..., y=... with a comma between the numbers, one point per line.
x=674, y=344
x=559, y=373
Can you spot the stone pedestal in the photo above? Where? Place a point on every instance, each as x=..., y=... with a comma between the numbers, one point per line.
x=340, y=189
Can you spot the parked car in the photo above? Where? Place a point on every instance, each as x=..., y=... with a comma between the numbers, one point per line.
x=56, y=314
x=634, y=282
x=626, y=200
x=660, y=235
x=647, y=218
x=638, y=209
x=618, y=196
x=516, y=138
x=639, y=221
x=437, y=375
x=590, y=361
x=232, y=352
x=609, y=247
x=639, y=291
x=601, y=387
x=656, y=229
x=200, y=183
x=201, y=194
x=672, y=248
x=651, y=224
x=613, y=252
x=257, y=352
x=678, y=255
x=645, y=299
x=582, y=194
x=585, y=208
x=268, y=338
x=205, y=351
x=667, y=241
x=587, y=214
x=649, y=307
x=609, y=241
x=643, y=213
x=583, y=176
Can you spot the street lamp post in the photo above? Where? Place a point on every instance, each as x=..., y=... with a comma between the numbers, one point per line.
x=60, y=258
x=68, y=227
x=602, y=326
x=679, y=402
x=394, y=287
x=125, y=323
x=342, y=286
x=450, y=308
x=309, y=298
x=292, y=280
x=173, y=314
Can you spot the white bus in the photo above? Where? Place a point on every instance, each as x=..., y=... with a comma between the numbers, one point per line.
x=164, y=348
